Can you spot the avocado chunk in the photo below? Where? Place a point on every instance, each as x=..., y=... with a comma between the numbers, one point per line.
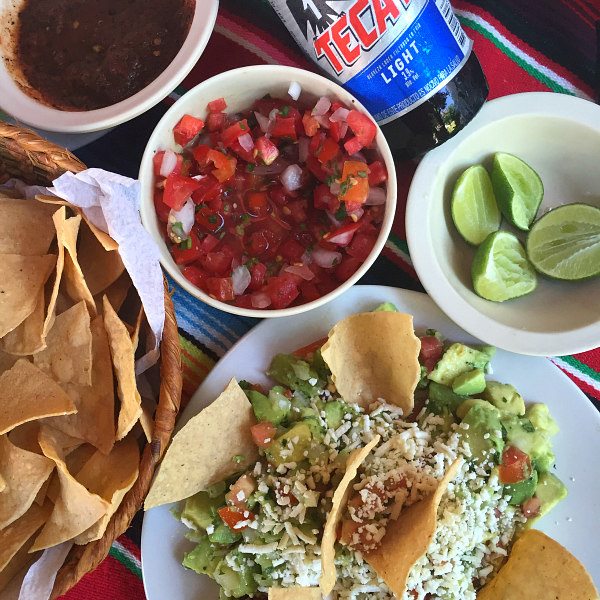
x=550, y=490
x=469, y=383
x=522, y=490
x=540, y=417
x=458, y=359
x=442, y=399
x=273, y=408
x=223, y=535
x=200, y=509
x=291, y=446
x=294, y=373
x=236, y=584
x=334, y=413
x=467, y=404
x=505, y=397
x=521, y=433
x=204, y=558
x=481, y=421
x=385, y=307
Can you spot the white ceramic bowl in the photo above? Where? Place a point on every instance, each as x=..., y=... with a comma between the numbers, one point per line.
x=559, y=136
x=240, y=87
x=26, y=110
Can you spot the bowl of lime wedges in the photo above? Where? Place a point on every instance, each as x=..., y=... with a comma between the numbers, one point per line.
x=503, y=224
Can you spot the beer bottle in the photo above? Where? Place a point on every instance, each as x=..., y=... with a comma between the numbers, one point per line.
x=408, y=61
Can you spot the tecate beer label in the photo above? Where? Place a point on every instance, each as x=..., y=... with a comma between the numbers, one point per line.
x=391, y=54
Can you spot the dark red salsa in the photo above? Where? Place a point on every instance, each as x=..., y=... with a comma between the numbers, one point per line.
x=274, y=206
x=88, y=54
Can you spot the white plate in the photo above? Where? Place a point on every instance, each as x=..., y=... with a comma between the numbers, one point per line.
x=575, y=522
x=559, y=136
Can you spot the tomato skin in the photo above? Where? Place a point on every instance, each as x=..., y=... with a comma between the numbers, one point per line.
x=200, y=154
x=263, y=433
x=218, y=105
x=267, y=150
x=220, y=288
x=515, y=466
x=284, y=127
x=225, y=165
x=194, y=275
x=162, y=210
x=232, y=517
x=431, y=348
x=215, y=121
x=178, y=189
x=282, y=291
x=187, y=129
x=377, y=173
x=208, y=191
x=362, y=127
x=353, y=145
x=343, y=235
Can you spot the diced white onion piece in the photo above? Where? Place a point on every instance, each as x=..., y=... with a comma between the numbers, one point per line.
x=300, y=270
x=376, y=196
x=198, y=177
x=273, y=114
x=260, y=300
x=323, y=121
x=246, y=142
x=356, y=214
x=303, y=144
x=343, y=130
x=292, y=178
x=359, y=157
x=322, y=106
x=294, y=90
x=335, y=188
x=169, y=162
x=341, y=114
x=333, y=220
x=240, y=278
x=263, y=122
x=326, y=258
x=306, y=258
x=185, y=215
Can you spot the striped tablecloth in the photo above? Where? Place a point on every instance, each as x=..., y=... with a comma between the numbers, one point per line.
x=538, y=45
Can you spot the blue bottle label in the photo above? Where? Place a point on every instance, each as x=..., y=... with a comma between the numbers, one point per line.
x=391, y=54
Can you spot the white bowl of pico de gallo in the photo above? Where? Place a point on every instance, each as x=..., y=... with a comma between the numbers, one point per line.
x=270, y=190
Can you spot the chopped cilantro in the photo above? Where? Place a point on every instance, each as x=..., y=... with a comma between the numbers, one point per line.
x=245, y=218
x=177, y=229
x=284, y=111
x=238, y=459
x=345, y=186
x=243, y=126
x=212, y=219
x=330, y=179
x=186, y=244
x=362, y=174
x=340, y=213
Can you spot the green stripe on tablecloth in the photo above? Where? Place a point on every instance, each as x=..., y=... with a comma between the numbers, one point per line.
x=196, y=353
x=120, y=553
x=583, y=368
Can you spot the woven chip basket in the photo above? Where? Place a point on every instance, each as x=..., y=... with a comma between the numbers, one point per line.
x=26, y=156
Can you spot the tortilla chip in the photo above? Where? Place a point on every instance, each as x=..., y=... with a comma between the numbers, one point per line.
x=135, y=336
x=121, y=350
x=94, y=420
x=201, y=453
x=110, y=477
x=28, y=337
x=406, y=540
x=76, y=286
x=7, y=361
x=295, y=593
x=68, y=355
x=75, y=509
x=25, y=227
x=15, y=536
x=21, y=279
x=116, y=292
x=539, y=567
x=25, y=436
x=2, y=483
x=375, y=355
x=24, y=473
x=27, y=393
x=340, y=498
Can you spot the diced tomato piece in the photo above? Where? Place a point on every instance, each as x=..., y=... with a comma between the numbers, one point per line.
x=260, y=242
x=364, y=129
x=284, y=127
x=297, y=210
x=257, y=275
x=210, y=220
x=200, y=154
x=194, y=275
x=310, y=124
x=353, y=145
x=188, y=255
x=267, y=150
x=309, y=349
x=343, y=235
x=323, y=199
x=225, y=165
x=218, y=105
x=315, y=167
x=279, y=195
x=208, y=192
x=377, y=173
x=244, y=301
x=347, y=268
x=361, y=245
x=157, y=163
x=215, y=121
x=335, y=105
x=309, y=291
x=354, y=182
x=263, y=433
x=291, y=250
x=210, y=242
x=220, y=288
x=217, y=262
x=233, y=518
x=233, y=132
x=327, y=151
x=531, y=507
x=247, y=155
x=257, y=203
x=187, y=129
x=515, y=466
x=178, y=189
x=315, y=142
x=240, y=491
x=282, y=291
x=431, y=349
x=162, y=210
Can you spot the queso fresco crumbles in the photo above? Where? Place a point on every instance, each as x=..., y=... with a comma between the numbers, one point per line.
x=337, y=490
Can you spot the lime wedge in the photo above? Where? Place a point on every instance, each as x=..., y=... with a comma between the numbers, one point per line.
x=565, y=242
x=518, y=188
x=474, y=209
x=500, y=268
